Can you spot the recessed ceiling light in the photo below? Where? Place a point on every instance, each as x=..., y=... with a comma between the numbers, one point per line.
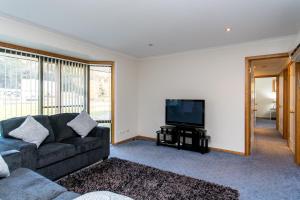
x=227, y=29
x=150, y=45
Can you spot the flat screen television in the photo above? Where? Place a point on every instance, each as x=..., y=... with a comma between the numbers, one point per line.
x=185, y=112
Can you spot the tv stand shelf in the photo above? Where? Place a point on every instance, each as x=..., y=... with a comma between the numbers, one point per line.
x=175, y=136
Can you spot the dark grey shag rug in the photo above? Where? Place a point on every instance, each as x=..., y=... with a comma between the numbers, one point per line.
x=142, y=182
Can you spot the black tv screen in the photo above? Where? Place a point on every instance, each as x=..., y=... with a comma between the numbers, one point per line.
x=185, y=112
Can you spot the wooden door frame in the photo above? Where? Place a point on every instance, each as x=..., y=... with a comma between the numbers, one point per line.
x=286, y=102
x=297, y=114
x=277, y=103
x=248, y=108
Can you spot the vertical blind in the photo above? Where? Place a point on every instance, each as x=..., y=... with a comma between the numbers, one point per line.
x=33, y=84
x=73, y=87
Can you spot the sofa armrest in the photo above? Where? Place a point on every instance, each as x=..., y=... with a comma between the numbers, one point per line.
x=100, y=131
x=104, y=134
x=28, y=151
x=12, y=158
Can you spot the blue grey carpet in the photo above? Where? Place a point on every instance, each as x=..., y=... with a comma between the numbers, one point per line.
x=265, y=123
x=269, y=173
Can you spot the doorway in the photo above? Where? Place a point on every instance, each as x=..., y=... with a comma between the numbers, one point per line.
x=268, y=134
x=281, y=112
x=265, y=106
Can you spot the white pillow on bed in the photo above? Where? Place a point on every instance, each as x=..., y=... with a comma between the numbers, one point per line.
x=82, y=124
x=30, y=131
x=4, y=171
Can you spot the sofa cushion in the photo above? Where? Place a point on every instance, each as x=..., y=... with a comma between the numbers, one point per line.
x=28, y=151
x=67, y=196
x=4, y=170
x=84, y=144
x=54, y=152
x=12, y=158
x=59, y=125
x=82, y=124
x=26, y=184
x=8, y=125
x=4, y=147
x=30, y=131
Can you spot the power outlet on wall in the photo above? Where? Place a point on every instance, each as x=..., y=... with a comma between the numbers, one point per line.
x=124, y=131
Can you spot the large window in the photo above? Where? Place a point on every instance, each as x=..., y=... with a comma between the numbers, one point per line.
x=100, y=93
x=19, y=84
x=63, y=86
x=34, y=84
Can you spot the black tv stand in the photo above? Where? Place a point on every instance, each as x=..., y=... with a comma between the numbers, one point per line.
x=175, y=136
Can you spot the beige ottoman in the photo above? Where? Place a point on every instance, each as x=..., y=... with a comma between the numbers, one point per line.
x=102, y=195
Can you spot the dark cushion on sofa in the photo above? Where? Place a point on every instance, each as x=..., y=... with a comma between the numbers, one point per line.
x=84, y=144
x=59, y=125
x=54, y=152
x=10, y=124
x=26, y=184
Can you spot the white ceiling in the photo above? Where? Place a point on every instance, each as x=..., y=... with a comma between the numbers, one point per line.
x=269, y=67
x=172, y=26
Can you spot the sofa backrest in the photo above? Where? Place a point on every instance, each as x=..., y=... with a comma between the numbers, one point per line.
x=60, y=128
x=10, y=124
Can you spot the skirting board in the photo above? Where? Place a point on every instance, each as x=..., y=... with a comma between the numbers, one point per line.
x=139, y=137
x=227, y=151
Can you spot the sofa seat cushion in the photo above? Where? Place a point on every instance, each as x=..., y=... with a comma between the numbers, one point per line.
x=84, y=144
x=26, y=184
x=4, y=147
x=54, y=152
x=67, y=196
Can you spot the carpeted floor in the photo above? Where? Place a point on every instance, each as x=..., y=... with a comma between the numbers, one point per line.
x=269, y=173
x=141, y=182
x=265, y=123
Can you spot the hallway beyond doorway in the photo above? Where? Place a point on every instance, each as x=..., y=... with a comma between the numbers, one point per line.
x=269, y=142
x=265, y=123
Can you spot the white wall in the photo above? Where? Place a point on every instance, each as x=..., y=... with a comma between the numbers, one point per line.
x=216, y=75
x=264, y=97
x=297, y=39
x=126, y=69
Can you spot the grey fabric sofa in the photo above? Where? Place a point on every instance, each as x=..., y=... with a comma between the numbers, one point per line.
x=25, y=184
x=63, y=151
